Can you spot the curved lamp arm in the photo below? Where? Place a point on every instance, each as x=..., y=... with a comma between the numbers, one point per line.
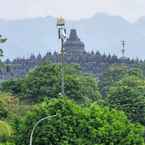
x=36, y=124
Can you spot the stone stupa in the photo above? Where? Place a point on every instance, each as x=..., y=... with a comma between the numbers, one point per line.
x=73, y=45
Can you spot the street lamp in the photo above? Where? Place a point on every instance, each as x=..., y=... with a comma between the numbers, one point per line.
x=36, y=124
x=61, y=36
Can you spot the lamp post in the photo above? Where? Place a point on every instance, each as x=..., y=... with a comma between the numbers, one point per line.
x=36, y=124
x=61, y=36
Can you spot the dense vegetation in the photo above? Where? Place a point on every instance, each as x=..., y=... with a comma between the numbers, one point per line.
x=128, y=95
x=76, y=125
x=108, y=111
x=45, y=81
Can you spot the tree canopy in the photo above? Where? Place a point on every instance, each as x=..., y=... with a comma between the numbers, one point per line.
x=78, y=125
x=8, y=105
x=128, y=95
x=114, y=73
x=81, y=119
x=45, y=81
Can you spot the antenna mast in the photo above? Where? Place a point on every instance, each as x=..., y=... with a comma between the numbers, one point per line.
x=123, y=43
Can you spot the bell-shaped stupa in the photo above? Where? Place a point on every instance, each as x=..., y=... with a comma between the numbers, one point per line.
x=73, y=45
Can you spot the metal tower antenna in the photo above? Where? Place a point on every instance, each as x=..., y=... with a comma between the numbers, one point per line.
x=123, y=43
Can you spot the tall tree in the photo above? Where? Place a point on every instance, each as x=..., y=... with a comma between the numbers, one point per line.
x=112, y=74
x=128, y=95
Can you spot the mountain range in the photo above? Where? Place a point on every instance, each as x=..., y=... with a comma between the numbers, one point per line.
x=102, y=32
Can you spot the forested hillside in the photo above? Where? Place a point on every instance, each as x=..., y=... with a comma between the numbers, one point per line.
x=108, y=111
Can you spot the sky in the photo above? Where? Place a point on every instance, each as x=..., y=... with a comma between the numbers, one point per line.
x=71, y=9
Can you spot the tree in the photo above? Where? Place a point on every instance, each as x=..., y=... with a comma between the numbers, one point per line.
x=9, y=110
x=112, y=74
x=115, y=73
x=8, y=105
x=13, y=86
x=2, y=40
x=44, y=81
x=78, y=125
x=5, y=132
x=128, y=95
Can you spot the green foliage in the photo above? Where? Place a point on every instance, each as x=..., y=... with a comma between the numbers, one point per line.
x=45, y=81
x=9, y=110
x=3, y=105
x=136, y=72
x=5, y=132
x=78, y=125
x=12, y=86
x=3, y=110
x=115, y=73
x=129, y=95
x=112, y=74
x=2, y=40
x=7, y=143
x=5, y=129
x=8, y=105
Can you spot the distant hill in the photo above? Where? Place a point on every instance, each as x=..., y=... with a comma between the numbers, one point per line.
x=140, y=25
x=100, y=32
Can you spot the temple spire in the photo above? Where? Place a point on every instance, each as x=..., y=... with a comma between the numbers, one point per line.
x=73, y=35
x=73, y=45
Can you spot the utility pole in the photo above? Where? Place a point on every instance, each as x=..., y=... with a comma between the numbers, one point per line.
x=62, y=36
x=62, y=68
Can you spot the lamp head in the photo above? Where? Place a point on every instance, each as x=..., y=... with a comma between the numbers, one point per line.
x=60, y=22
x=61, y=28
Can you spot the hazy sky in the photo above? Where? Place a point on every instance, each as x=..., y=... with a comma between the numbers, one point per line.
x=72, y=9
